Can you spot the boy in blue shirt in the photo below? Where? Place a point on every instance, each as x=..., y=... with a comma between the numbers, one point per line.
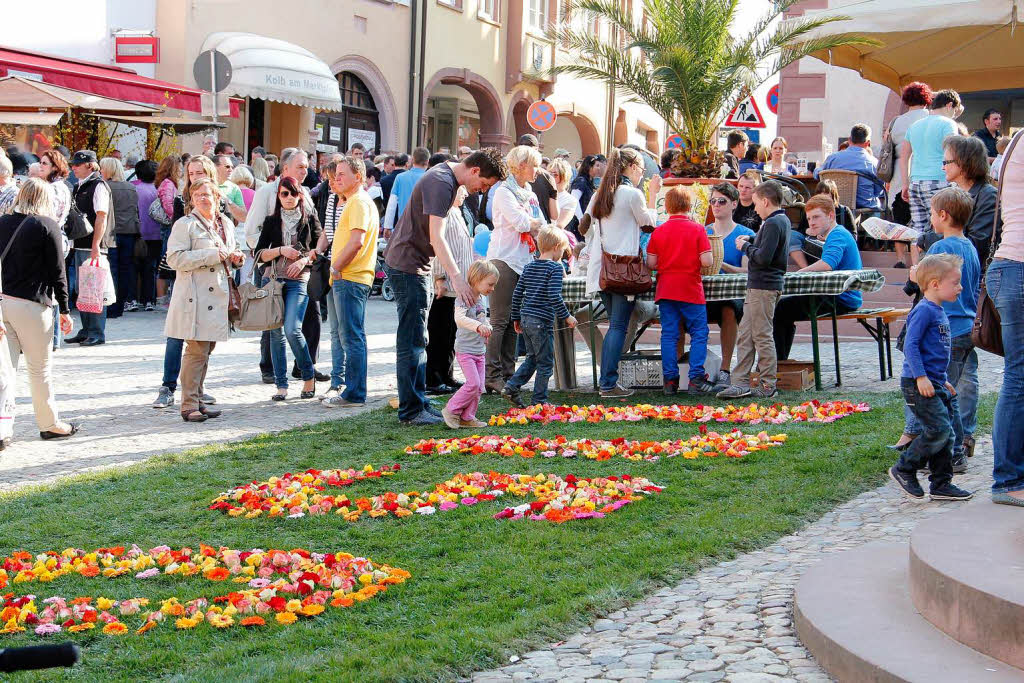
x=926, y=388
x=950, y=210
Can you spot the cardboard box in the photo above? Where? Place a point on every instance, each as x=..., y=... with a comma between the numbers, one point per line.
x=795, y=375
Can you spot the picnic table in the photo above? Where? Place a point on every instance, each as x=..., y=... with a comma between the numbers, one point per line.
x=726, y=286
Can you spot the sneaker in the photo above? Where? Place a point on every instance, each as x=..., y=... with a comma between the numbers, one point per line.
x=762, y=391
x=670, y=387
x=908, y=483
x=340, y=402
x=969, y=446
x=450, y=419
x=960, y=464
x=331, y=393
x=131, y=306
x=618, y=391
x=701, y=386
x=472, y=424
x=513, y=396
x=950, y=492
x=150, y=307
x=734, y=391
x=724, y=378
x=164, y=399
x=432, y=409
x=422, y=419
x=207, y=399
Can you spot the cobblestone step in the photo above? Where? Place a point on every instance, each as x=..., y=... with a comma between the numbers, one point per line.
x=854, y=614
x=967, y=578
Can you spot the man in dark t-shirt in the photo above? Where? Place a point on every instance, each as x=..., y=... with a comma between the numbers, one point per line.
x=418, y=237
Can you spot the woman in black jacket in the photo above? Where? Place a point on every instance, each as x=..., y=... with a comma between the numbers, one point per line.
x=289, y=242
x=966, y=166
x=33, y=277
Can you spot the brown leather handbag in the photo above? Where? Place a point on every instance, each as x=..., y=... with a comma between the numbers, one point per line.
x=626, y=275
x=987, y=332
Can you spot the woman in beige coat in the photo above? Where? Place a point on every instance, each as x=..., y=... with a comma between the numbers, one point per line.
x=200, y=249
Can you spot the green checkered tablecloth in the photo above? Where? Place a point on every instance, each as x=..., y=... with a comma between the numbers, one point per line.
x=734, y=285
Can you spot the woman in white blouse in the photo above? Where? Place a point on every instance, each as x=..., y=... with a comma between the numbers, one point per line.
x=517, y=218
x=618, y=213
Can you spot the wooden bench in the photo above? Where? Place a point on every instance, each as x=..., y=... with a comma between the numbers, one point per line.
x=877, y=322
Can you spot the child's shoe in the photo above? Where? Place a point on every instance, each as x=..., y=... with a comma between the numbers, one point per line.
x=472, y=424
x=671, y=387
x=701, y=386
x=513, y=396
x=950, y=492
x=908, y=483
x=450, y=418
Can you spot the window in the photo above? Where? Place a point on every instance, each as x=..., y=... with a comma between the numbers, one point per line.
x=489, y=10
x=537, y=15
x=354, y=93
x=454, y=4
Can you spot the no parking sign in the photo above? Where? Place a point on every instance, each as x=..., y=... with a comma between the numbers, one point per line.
x=541, y=116
x=674, y=141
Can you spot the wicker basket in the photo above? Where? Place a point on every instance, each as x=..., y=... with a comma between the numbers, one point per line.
x=718, y=253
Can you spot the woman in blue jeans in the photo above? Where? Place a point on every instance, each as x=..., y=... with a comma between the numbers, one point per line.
x=289, y=242
x=618, y=213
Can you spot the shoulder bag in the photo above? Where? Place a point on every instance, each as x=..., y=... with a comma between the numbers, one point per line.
x=987, y=332
x=626, y=275
x=157, y=213
x=261, y=307
x=887, y=157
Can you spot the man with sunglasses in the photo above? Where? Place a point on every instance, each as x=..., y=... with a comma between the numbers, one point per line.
x=417, y=238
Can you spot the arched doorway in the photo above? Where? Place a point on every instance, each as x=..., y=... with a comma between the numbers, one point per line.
x=461, y=108
x=358, y=121
x=387, y=111
x=589, y=137
x=517, y=123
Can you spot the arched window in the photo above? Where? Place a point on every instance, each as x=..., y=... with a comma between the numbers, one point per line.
x=354, y=93
x=357, y=122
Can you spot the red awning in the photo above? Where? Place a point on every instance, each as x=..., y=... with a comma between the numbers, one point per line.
x=102, y=79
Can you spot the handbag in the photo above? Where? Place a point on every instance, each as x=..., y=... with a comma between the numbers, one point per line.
x=987, y=331
x=75, y=225
x=886, y=168
x=234, y=298
x=261, y=308
x=319, y=278
x=157, y=213
x=626, y=275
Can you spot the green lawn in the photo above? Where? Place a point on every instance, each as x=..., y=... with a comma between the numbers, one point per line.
x=481, y=589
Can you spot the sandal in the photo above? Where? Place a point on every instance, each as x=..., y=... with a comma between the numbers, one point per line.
x=308, y=394
x=194, y=416
x=278, y=397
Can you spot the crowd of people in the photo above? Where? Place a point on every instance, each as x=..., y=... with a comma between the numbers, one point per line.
x=477, y=248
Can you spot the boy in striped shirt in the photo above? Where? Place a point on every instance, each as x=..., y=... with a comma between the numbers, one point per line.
x=536, y=304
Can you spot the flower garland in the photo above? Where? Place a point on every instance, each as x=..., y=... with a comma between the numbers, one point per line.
x=734, y=444
x=556, y=499
x=810, y=411
x=291, y=492
x=280, y=586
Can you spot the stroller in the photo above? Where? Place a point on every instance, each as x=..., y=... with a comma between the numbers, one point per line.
x=381, y=282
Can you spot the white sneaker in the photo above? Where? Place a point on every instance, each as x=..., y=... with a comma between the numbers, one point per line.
x=330, y=393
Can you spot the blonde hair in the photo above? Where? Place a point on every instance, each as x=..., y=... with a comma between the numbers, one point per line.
x=561, y=169
x=521, y=156
x=260, y=169
x=551, y=239
x=935, y=267
x=241, y=176
x=481, y=270
x=112, y=167
x=751, y=175
x=208, y=169
x=35, y=198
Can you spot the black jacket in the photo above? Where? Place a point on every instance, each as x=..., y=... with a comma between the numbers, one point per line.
x=308, y=234
x=768, y=254
x=34, y=266
x=83, y=199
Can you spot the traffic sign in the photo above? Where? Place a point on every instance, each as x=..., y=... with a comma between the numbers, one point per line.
x=745, y=115
x=212, y=74
x=674, y=141
x=541, y=116
x=773, y=99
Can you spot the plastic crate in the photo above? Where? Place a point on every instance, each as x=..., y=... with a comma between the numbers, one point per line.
x=640, y=370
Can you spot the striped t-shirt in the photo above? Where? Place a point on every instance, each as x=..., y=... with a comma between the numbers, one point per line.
x=334, y=209
x=538, y=294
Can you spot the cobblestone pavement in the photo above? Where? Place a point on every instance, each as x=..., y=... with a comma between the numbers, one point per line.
x=733, y=621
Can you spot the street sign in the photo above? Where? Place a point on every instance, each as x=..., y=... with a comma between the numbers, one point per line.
x=773, y=99
x=206, y=104
x=541, y=116
x=674, y=141
x=745, y=115
x=204, y=70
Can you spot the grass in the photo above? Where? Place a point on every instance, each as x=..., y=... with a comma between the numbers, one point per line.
x=481, y=589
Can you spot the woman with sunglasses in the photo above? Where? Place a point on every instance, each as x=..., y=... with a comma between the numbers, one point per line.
x=288, y=242
x=583, y=187
x=200, y=249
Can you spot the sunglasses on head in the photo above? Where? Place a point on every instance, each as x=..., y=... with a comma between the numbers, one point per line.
x=718, y=201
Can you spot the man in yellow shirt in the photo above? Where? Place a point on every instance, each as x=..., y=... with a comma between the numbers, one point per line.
x=353, y=262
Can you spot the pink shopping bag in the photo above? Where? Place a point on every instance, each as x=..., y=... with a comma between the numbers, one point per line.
x=92, y=279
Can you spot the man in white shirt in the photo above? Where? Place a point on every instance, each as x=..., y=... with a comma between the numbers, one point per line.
x=92, y=197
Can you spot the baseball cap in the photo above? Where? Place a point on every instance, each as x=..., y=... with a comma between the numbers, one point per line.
x=84, y=156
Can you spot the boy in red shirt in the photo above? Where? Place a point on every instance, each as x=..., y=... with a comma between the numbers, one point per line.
x=677, y=250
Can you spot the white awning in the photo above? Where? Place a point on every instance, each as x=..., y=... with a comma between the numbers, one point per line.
x=31, y=118
x=272, y=69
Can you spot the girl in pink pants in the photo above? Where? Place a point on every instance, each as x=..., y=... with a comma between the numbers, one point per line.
x=470, y=348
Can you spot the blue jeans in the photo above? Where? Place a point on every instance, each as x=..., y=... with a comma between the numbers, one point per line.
x=962, y=349
x=172, y=362
x=1005, y=284
x=696, y=318
x=295, y=301
x=57, y=334
x=619, y=309
x=337, y=344
x=94, y=325
x=413, y=300
x=934, y=447
x=539, y=338
x=350, y=305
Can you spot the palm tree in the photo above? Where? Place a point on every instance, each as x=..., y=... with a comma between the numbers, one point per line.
x=687, y=66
